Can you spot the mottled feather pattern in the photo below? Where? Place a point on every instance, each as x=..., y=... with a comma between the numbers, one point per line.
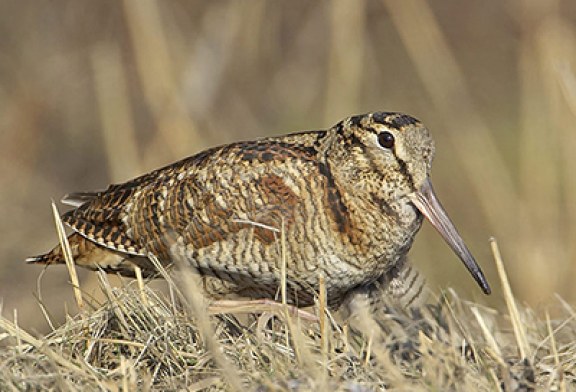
x=342, y=199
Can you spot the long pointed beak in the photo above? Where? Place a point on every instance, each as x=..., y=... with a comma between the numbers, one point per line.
x=427, y=202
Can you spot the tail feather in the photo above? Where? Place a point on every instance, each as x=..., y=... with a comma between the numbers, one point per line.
x=46, y=258
x=55, y=256
x=90, y=255
x=76, y=199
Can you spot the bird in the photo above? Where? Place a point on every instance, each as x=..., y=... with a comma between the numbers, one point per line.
x=342, y=205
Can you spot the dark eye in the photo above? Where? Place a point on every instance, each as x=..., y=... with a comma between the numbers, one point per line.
x=386, y=139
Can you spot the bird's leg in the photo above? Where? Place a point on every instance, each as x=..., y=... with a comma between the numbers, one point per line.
x=259, y=306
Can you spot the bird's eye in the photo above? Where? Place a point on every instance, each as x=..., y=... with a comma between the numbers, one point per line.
x=386, y=139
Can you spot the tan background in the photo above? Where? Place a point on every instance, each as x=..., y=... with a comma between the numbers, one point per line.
x=93, y=92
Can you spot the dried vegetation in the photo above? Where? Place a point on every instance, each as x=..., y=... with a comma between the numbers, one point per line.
x=140, y=339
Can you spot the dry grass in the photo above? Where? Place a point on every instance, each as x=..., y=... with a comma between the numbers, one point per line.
x=96, y=92
x=99, y=92
x=140, y=339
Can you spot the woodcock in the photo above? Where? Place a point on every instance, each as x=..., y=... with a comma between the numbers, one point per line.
x=349, y=200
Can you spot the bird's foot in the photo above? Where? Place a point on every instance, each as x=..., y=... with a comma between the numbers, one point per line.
x=260, y=306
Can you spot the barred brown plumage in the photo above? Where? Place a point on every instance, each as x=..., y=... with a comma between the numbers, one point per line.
x=350, y=203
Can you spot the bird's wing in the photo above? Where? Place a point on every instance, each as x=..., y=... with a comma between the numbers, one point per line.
x=202, y=199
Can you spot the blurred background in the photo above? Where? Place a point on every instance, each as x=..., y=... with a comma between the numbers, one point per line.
x=99, y=92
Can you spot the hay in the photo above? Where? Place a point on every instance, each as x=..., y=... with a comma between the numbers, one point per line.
x=130, y=344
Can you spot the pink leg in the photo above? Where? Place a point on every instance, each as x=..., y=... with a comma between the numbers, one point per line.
x=259, y=306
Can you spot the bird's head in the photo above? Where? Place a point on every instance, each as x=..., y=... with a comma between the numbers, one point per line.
x=389, y=155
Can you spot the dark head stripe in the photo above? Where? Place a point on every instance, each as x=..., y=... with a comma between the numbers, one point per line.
x=394, y=120
x=389, y=119
x=405, y=172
